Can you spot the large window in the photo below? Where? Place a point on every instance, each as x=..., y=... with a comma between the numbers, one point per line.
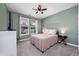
x=28, y=26
x=24, y=26
x=33, y=26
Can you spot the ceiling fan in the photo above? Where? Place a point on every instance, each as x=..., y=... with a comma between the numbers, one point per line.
x=40, y=9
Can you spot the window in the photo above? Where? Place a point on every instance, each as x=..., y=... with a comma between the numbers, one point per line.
x=27, y=26
x=24, y=26
x=33, y=26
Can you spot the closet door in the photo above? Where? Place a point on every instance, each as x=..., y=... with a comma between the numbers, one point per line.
x=24, y=26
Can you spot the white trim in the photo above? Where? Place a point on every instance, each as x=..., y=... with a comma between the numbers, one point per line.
x=72, y=45
x=20, y=26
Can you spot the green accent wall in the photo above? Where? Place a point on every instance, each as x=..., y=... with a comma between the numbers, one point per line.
x=3, y=17
x=67, y=19
x=39, y=26
x=15, y=23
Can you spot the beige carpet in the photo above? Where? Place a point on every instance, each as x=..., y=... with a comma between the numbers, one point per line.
x=26, y=49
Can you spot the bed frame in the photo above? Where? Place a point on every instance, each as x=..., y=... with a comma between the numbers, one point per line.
x=44, y=50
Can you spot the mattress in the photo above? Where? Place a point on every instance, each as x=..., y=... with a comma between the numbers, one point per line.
x=43, y=41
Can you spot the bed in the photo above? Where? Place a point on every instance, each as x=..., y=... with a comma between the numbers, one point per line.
x=44, y=40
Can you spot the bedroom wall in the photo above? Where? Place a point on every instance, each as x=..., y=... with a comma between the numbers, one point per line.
x=3, y=17
x=15, y=23
x=39, y=26
x=67, y=19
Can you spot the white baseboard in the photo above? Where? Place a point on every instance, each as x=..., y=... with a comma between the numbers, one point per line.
x=73, y=45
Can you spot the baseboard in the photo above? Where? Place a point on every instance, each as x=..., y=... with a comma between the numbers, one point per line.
x=73, y=45
x=23, y=39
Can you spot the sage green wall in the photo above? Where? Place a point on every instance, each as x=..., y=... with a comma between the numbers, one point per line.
x=15, y=22
x=39, y=26
x=3, y=17
x=68, y=19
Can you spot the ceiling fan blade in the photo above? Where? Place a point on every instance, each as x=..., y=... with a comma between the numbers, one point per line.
x=35, y=9
x=36, y=12
x=39, y=7
x=44, y=9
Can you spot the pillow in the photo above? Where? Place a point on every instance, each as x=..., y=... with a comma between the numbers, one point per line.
x=52, y=31
x=45, y=30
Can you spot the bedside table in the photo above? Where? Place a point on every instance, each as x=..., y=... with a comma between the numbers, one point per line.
x=62, y=39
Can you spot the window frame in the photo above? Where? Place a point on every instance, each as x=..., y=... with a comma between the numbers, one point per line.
x=20, y=26
x=36, y=26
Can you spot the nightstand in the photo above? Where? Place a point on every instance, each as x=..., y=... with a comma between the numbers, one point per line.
x=62, y=39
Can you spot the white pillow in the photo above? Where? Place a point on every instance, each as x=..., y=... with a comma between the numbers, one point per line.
x=49, y=31
x=45, y=30
x=52, y=31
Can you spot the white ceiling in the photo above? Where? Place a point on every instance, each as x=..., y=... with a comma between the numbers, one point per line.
x=26, y=8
